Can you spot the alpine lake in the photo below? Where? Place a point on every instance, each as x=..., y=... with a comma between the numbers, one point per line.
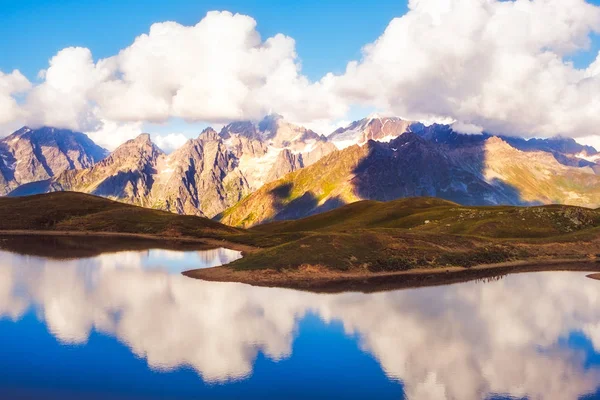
x=123, y=322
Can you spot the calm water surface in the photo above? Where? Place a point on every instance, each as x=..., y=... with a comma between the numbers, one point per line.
x=127, y=325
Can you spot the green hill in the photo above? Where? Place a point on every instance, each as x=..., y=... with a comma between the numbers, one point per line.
x=362, y=238
x=71, y=211
x=433, y=215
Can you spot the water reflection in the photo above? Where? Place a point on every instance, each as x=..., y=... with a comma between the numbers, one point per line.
x=466, y=341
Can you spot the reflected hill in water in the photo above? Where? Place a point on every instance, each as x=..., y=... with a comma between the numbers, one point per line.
x=73, y=247
x=463, y=341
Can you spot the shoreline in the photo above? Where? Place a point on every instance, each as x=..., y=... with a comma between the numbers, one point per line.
x=323, y=280
x=182, y=239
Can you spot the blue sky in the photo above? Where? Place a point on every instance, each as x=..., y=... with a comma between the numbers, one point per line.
x=328, y=33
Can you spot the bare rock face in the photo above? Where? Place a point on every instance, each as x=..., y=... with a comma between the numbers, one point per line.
x=273, y=169
x=127, y=174
x=204, y=177
x=285, y=163
x=30, y=155
x=272, y=147
x=200, y=178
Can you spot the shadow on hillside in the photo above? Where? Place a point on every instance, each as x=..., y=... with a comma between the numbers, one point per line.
x=6, y=162
x=126, y=184
x=413, y=165
x=305, y=205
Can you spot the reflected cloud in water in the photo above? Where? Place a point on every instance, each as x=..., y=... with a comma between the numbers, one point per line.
x=464, y=341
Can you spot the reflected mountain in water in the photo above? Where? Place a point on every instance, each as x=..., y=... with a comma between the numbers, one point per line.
x=466, y=341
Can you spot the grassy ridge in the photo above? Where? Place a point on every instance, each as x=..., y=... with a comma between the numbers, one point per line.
x=366, y=236
x=439, y=216
x=70, y=211
x=424, y=233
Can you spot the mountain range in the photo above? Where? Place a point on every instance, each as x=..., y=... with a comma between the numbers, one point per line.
x=256, y=171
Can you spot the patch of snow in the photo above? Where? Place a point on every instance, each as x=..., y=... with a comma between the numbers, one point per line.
x=387, y=139
x=228, y=143
x=309, y=146
x=342, y=144
x=256, y=169
x=590, y=158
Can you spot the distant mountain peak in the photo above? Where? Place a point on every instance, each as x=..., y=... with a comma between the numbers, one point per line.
x=209, y=134
x=35, y=154
x=143, y=138
x=373, y=127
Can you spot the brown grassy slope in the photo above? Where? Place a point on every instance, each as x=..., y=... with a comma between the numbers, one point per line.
x=427, y=232
x=71, y=211
x=367, y=236
x=437, y=216
x=327, y=179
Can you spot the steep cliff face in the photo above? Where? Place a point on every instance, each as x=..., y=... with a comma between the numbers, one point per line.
x=126, y=174
x=30, y=155
x=199, y=178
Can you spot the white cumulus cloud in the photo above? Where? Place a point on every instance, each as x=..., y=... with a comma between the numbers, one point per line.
x=11, y=85
x=499, y=66
x=495, y=64
x=216, y=71
x=170, y=141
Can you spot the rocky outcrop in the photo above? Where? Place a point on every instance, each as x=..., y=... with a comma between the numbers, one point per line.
x=127, y=174
x=200, y=178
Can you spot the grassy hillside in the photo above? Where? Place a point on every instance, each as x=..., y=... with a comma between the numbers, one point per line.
x=324, y=185
x=432, y=215
x=71, y=211
x=426, y=232
x=366, y=236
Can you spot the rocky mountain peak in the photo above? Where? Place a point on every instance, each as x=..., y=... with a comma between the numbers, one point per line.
x=209, y=134
x=143, y=138
x=134, y=153
x=374, y=127
x=30, y=155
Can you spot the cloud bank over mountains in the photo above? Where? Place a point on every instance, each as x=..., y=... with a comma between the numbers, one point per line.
x=500, y=66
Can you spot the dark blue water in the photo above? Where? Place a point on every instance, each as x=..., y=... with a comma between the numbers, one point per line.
x=128, y=326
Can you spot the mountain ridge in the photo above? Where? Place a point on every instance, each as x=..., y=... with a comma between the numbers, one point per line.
x=217, y=174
